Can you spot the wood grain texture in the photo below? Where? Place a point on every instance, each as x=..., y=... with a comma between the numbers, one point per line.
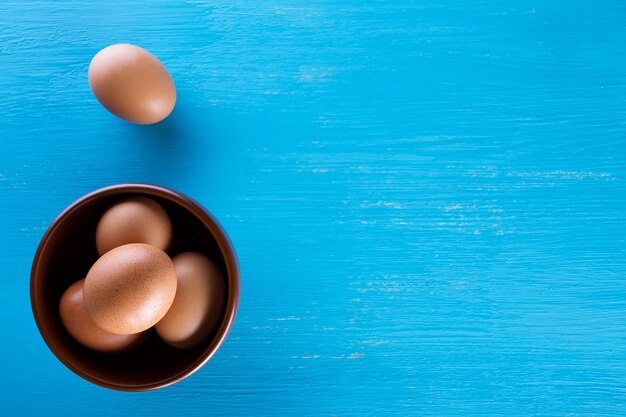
x=428, y=198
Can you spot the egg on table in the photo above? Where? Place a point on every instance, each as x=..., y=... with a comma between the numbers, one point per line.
x=130, y=288
x=132, y=84
x=134, y=220
x=82, y=328
x=199, y=301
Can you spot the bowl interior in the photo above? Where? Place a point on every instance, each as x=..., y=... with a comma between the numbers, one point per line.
x=67, y=252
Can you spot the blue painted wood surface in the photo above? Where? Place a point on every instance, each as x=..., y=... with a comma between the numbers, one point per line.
x=427, y=197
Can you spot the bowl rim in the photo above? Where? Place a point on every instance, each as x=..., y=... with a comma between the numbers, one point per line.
x=224, y=243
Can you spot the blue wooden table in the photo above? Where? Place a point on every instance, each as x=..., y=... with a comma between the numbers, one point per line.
x=428, y=198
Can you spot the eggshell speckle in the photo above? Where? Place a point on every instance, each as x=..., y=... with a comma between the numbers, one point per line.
x=82, y=328
x=130, y=288
x=132, y=84
x=199, y=301
x=134, y=220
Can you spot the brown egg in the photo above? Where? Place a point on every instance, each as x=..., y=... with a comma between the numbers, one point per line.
x=132, y=84
x=199, y=301
x=82, y=328
x=130, y=288
x=134, y=220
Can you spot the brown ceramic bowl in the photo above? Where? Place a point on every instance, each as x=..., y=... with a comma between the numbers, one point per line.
x=67, y=251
